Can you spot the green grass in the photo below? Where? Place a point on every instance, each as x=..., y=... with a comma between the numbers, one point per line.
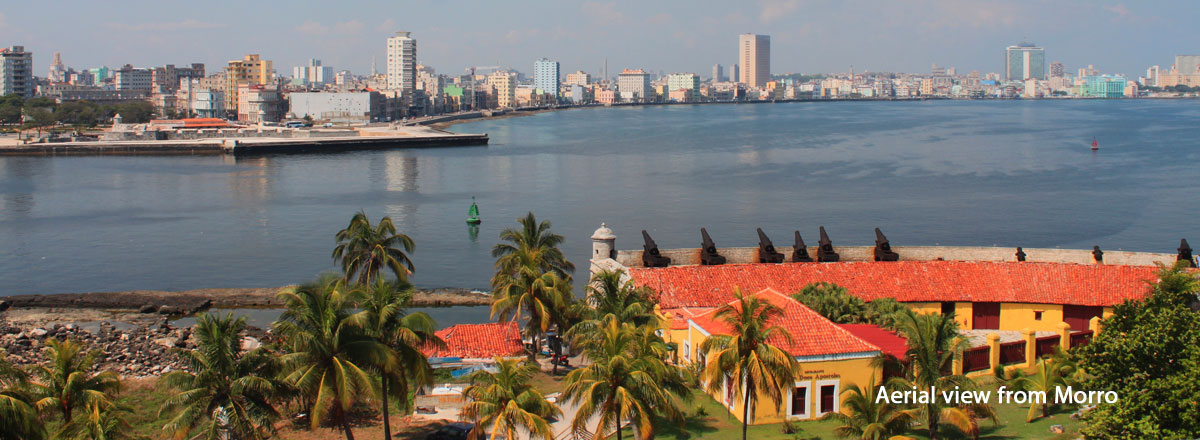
x=144, y=398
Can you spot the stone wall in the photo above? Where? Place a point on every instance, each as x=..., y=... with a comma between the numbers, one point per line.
x=742, y=255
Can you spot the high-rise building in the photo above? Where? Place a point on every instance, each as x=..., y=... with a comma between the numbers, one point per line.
x=131, y=78
x=1057, y=70
x=718, y=74
x=250, y=70
x=505, y=86
x=16, y=71
x=313, y=73
x=579, y=78
x=937, y=70
x=402, y=62
x=634, y=85
x=754, y=55
x=1187, y=64
x=687, y=82
x=734, y=73
x=546, y=76
x=58, y=70
x=1024, y=61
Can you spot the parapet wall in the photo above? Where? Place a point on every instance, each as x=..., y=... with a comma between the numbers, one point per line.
x=742, y=255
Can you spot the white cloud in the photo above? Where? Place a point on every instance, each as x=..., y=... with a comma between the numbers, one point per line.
x=603, y=12
x=773, y=10
x=388, y=25
x=185, y=25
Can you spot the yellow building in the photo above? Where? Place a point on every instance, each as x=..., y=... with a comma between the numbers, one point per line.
x=250, y=70
x=505, y=85
x=830, y=358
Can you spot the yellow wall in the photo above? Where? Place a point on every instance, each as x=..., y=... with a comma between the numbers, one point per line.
x=1016, y=316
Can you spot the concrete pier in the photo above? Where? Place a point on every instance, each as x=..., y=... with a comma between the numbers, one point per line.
x=248, y=146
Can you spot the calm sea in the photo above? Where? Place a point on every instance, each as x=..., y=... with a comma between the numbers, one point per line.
x=952, y=173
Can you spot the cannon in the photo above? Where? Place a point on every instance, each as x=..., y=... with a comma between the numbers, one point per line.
x=1185, y=253
x=1020, y=254
x=708, y=251
x=800, y=251
x=651, y=257
x=766, y=250
x=825, y=253
x=883, y=250
x=1097, y=254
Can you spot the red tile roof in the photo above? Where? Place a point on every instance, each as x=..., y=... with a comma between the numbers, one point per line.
x=812, y=334
x=890, y=342
x=480, y=341
x=907, y=281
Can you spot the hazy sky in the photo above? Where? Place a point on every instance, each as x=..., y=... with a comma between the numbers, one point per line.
x=808, y=36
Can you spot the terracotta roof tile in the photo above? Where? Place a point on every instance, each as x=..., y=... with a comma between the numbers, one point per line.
x=891, y=342
x=812, y=334
x=480, y=341
x=907, y=281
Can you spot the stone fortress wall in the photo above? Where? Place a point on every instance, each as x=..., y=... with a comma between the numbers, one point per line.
x=744, y=255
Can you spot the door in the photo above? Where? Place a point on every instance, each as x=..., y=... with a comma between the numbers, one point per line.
x=985, y=316
x=1078, y=317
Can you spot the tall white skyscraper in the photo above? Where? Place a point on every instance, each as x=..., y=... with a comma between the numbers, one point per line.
x=546, y=76
x=754, y=55
x=1024, y=61
x=402, y=62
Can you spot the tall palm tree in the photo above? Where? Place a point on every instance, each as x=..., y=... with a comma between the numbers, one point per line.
x=622, y=382
x=225, y=389
x=65, y=382
x=537, y=242
x=328, y=357
x=18, y=415
x=607, y=295
x=1049, y=374
x=102, y=422
x=748, y=357
x=932, y=341
x=868, y=419
x=504, y=404
x=365, y=251
x=539, y=298
x=382, y=315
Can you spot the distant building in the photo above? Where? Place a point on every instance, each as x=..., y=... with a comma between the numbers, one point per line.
x=402, y=62
x=546, y=76
x=1057, y=70
x=754, y=55
x=97, y=95
x=1187, y=64
x=313, y=73
x=688, y=82
x=346, y=107
x=16, y=71
x=1103, y=86
x=718, y=73
x=100, y=74
x=250, y=70
x=131, y=78
x=734, y=73
x=1024, y=61
x=343, y=77
x=606, y=96
x=58, y=70
x=257, y=103
x=937, y=70
x=505, y=86
x=208, y=103
x=634, y=85
x=579, y=78
x=167, y=77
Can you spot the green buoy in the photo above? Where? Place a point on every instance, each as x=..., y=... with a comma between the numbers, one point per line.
x=473, y=213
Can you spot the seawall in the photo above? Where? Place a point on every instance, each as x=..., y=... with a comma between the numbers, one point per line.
x=735, y=255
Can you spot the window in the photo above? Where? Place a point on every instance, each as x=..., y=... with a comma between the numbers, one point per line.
x=687, y=351
x=800, y=401
x=828, y=394
x=1037, y=315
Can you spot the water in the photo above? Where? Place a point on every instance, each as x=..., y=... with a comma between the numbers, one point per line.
x=951, y=173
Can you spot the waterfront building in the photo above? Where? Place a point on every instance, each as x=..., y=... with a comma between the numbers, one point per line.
x=734, y=73
x=689, y=83
x=1090, y=70
x=606, y=96
x=546, y=77
x=1024, y=61
x=250, y=70
x=258, y=103
x=754, y=55
x=168, y=77
x=1151, y=76
x=1104, y=86
x=1057, y=70
x=402, y=62
x=131, y=78
x=208, y=103
x=94, y=94
x=504, y=86
x=341, y=107
x=578, y=94
x=16, y=71
x=634, y=85
x=718, y=73
x=579, y=78
x=1187, y=64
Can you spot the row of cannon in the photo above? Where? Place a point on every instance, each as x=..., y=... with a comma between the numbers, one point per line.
x=652, y=257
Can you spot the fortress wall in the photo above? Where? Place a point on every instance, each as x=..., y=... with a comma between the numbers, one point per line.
x=743, y=255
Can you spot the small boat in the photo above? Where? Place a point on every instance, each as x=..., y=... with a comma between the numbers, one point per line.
x=1095, y=144
x=473, y=213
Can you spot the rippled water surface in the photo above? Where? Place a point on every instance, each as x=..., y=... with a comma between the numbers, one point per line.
x=963, y=173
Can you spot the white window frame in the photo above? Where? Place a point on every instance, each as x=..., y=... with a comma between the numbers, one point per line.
x=837, y=395
x=687, y=351
x=808, y=402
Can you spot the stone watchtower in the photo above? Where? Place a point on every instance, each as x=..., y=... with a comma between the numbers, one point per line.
x=604, y=244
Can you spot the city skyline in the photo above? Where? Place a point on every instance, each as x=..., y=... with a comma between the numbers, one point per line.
x=807, y=37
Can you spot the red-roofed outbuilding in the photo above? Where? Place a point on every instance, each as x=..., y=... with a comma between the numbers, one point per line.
x=479, y=341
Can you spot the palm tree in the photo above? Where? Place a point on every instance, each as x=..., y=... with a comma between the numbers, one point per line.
x=833, y=302
x=65, y=381
x=503, y=404
x=226, y=389
x=868, y=419
x=328, y=356
x=103, y=422
x=539, y=298
x=382, y=315
x=756, y=366
x=364, y=251
x=607, y=295
x=18, y=415
x=1049, y=374
x=932, y=341
x=537, y=242
x=624, y=381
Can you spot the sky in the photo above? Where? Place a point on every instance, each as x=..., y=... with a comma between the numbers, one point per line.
x=807, y=36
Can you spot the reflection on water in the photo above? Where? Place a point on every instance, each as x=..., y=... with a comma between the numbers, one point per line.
x=1013, y=173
